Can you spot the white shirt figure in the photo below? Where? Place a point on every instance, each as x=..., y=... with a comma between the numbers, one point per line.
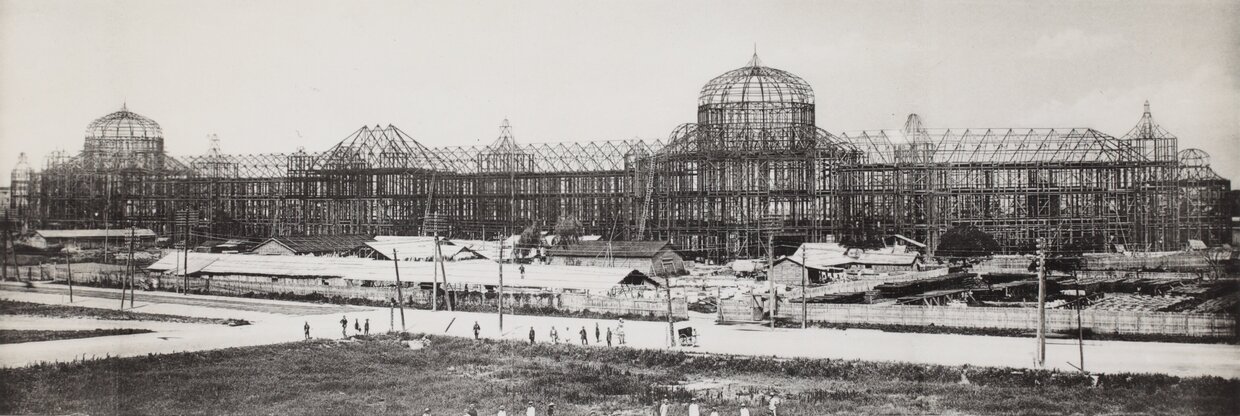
x=774, y=406
x=501, y=412
x=714, y=413
x=529, y=411
x=744, y=411
x=694, y=410
x=663, y=409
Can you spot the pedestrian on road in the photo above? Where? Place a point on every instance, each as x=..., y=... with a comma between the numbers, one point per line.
x=585, y=337
x=344, y=325
x=522, y=269
x=609, y=336
x=620, y=331
x=357, y=326
x=694, y=410
x=477, y=329
x=366, y=327
x=555, y=336
x=529, y=411
x=663, y=408
x=597, y=334
x=744, y=410
x=531, y=335
x=306, y=327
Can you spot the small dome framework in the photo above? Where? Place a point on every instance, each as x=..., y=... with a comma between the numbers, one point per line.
x=756, y=94
x=123, y=140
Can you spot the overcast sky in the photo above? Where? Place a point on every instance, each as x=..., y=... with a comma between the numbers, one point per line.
x=272, y=76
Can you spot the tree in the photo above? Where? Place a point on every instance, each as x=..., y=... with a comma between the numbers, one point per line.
x=966, y=242
x=1070, y=256
x=530, y=238
x=569, y=229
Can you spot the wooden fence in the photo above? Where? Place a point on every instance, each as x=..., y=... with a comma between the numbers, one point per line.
x=869, y=283
x=1099, y=321
x=572, y=302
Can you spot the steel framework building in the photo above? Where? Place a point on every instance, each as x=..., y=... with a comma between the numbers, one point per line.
x=755, y=153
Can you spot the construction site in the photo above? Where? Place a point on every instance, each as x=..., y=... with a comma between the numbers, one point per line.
x=712, y=187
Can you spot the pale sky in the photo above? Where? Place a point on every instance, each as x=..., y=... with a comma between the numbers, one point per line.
x=270, y=76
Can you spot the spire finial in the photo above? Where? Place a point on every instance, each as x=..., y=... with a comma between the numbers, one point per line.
x=125, y=105
x=1147, y=106
x=505, y=123
x=755, y=62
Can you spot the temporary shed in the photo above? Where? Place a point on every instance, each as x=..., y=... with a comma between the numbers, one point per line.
x=653, y=257
x=314, y=245
x=89, y=239
x=418, y=249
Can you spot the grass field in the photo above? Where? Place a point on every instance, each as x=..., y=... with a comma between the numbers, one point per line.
x=10, y=307
x=12, y=336
x=381, y=375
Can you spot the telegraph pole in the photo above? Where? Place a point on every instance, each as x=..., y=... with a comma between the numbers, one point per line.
x=400, y=301
x=671, y=325
x=132, y=269
x=501, y=286
x=770, y=275
x=435, y=276
x=804, y=294
x=1041, y=360
x=69, y=271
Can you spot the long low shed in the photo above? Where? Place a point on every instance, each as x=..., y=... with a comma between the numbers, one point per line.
x=472, y=272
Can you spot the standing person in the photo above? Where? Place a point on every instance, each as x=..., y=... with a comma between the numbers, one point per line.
x=531, y=335
x=773, y=405
x=620, y=331
x=501, y=411
x=597, y=334
x=551, y=409
x=744, y=410
x=357, y=326
x=529, y=411
x=522, y=269
x=344, y=325
x=555, y=336
x=694, y=410
x=714, y=412
x=609, y=336
x=663, y=408
x=306, y=327
x=477, y=330
x=366, y=327
x=585, y=337
x=473, y=410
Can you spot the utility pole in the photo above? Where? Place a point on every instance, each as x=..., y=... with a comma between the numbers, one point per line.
x=1080, y=331
x=133, y=287
x=501, y=286
x=770, y=278
x=1041, y=360
x=671, y=325
x=804, y=283
x=435, y=277
x=69, y=271
x=400, y=301
x=447, y=299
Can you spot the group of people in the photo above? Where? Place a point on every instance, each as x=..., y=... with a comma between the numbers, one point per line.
x=772, y=404
x=361, y=328
x=584, y=335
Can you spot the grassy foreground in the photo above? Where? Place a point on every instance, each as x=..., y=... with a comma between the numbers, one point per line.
x=381, y=375
x=10, y=336
x=12, y=307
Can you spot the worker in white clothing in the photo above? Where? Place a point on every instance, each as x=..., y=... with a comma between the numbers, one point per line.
x=663, y=408
x=774, y=405
x=501, y=412
x=529, y=411
x=744, y=410
x=693, y=408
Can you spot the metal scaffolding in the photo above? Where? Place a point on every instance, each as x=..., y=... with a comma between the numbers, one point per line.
x=754, y=155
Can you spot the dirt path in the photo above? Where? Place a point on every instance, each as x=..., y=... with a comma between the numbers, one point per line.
x=946, y=349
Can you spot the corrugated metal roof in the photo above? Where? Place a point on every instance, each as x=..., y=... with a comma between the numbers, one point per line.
x=420, y=249
x=611, y=249
x=96, y=233
x=477, y=272
x=322, y=243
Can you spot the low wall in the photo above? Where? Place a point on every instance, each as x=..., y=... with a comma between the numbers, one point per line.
x=577, y=302
x=866, y=284
x=1099, y=321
